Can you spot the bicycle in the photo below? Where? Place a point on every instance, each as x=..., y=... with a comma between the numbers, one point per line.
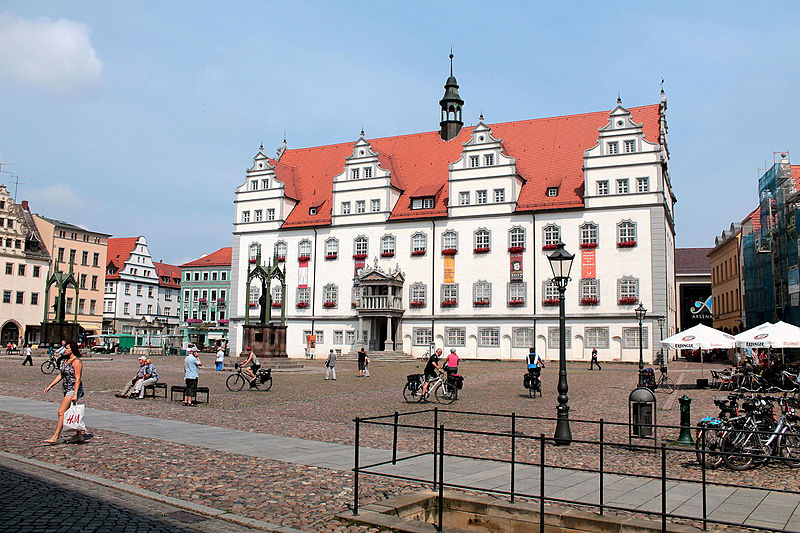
x=532, y=381
x=237, y=381
x=665, y=382
x=444, y=390
x=51, y=365
x=710, y=430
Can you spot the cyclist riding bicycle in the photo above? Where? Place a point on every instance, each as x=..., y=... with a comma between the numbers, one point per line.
x=252, y=360
x=431, y=371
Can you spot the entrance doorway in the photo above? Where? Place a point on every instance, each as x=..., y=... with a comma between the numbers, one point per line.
x=9, y=334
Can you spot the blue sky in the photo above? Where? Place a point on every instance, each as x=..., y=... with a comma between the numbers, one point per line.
x=139, y=118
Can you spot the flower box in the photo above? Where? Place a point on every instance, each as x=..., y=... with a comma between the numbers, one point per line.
x=591, y=300
x=516, y=249
x=588, y=245
x=220, y=301
x=252, y=260
x=203, y=301
x=387, y=254
x=418, y=252
x=276, y=304
x=626, y=244
x=449, y=251
x=194, y=321
x=480, y=302
x=253, y=304
x=550, y=246
x=301, y=258
x=550, y=301
x=628, y=300
x=331, y=256
x=302, y=305
x=449, y=303
x=417, y=303
x=329, y=304
x=516, y=303
x=223, y=321
x=482, y=250
x=281, y=258
x=359, y=256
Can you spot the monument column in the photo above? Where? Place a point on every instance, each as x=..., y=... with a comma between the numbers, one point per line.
x=360, y=333
x=388, y=346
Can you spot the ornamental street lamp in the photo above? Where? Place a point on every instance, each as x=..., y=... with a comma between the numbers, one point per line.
x=561, y=264
x=640, y=313
x=661, y=321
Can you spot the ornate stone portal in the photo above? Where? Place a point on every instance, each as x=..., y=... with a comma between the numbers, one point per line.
x=53, y=332
x=380, y=304
x=266, y=339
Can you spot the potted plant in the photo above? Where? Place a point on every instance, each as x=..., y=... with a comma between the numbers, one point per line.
x=516, y=249
x=481, y=250
x=552, y=246
x=480, y=302
x=449, y=251
x=302, y=305
x=416, y=303
x=626, y=244
x=331, y=256
x=329, y=304
x=588, y=245
x=359, y=256
x=276, y=304
x=516, y=302
x=418, y=252
x=589, y=300
x=628, y=300
x=449, y=302
x=387, y=254
x=550, y=301
x=301, y=258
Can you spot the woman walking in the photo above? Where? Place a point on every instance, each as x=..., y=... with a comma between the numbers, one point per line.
x=70, y=378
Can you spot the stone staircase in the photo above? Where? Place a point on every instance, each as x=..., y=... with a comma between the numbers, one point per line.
x=396, y=356
x=275, y=363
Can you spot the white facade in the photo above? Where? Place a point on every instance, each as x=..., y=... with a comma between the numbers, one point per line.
x=132, y=292
x=493, y=316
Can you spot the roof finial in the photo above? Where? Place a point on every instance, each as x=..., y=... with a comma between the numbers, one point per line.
x=362, y=130
x=481, y=116
x=619, y=99
x=451, y=60
x=284, y=136
x=261, y=147
x=662, y=85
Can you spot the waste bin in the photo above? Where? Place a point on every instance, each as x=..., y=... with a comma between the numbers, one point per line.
x=641, y=414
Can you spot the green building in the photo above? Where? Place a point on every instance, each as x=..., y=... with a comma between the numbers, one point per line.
x=204, y=306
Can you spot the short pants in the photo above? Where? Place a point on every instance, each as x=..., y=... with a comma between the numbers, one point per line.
x=191, y=387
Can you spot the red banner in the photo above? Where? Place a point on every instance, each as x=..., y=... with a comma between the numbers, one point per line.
x=588, y=270
x=358, y=265
x=302, y=273
x=516, y=266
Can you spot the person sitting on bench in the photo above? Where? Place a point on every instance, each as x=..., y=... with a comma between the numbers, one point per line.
x=149, y=377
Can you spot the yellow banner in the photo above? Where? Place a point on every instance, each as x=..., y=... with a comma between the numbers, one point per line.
x=449, y=269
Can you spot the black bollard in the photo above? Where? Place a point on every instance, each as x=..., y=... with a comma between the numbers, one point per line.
x=686, y=425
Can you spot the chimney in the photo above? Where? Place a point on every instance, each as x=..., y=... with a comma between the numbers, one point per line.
x=25, y=205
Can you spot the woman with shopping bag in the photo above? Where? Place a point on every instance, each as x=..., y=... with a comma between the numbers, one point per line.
x=69, y=410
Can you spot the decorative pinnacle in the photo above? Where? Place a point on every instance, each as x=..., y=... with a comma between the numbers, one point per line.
x=451, y=60
x=481, y=117
x=261, y=147
x=362, y=131
x=619, y=100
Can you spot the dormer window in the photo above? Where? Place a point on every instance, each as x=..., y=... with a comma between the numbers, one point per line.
x=630, y=147
x=367, y=172
x=474, y=161
x=312, y=210
x=552, y=191
x=354, y=173
x=613, y=148
x=488, y=160
x=422, y=203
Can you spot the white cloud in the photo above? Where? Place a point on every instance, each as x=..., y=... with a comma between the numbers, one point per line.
x=51, y=54
x=58, y=198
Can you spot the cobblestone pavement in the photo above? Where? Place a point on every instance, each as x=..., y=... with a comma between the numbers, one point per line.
x=304, y=405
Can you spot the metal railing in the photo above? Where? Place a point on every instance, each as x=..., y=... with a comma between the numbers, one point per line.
x=438, y=432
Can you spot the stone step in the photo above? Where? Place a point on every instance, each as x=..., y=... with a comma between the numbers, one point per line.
x=380, y=357
x=281, y=363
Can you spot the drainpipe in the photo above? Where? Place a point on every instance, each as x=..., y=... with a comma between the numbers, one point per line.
x=314, y=284
x=533, y=272
x=433, y=285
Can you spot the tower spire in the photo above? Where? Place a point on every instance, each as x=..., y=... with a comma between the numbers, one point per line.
x=451, y=105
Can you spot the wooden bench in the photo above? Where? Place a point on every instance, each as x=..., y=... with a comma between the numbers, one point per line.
x=181, y=390
x=151, y=389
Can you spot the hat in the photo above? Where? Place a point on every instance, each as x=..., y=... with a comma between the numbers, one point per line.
x=249, y=349
x=142, y=358
x=452, y=350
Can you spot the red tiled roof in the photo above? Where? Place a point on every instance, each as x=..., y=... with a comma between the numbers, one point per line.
x=692, y=261
x=547, y=151
x=221, y=257
x=755, y=218
x=118, y=251
x=163, y=270
x=796, y=175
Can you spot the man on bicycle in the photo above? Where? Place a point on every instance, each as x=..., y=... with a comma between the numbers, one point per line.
x=252, y=360
x=431, y=371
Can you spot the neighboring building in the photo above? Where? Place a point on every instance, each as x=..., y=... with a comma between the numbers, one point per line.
x=693, y=282
x=86, y=251
x=169, y=300
x=25, y=262
x=754, y=287
x=442, y=238
x=726, y=281
x=204, y=307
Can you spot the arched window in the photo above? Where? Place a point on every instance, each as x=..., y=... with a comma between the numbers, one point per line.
x=388, y=246
x=449, y=242
x=360, y=247
x=254, y=250
x=304, y=249
x=588, y=235
x=626, y=234
x=483, y=240
x=331, y=248
x=516, y=239
x=330, y=294
x=280, y=250
x=552, y=237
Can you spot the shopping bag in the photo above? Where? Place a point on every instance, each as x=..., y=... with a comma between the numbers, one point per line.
x=73, y=418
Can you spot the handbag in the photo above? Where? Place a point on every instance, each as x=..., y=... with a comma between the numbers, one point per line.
x=73, y=417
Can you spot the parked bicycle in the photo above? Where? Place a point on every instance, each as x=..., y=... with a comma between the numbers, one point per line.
x=665, y=382
x=237, y=381
x=710, y=430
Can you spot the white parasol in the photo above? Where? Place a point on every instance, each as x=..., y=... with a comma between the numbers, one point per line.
x=700, y=337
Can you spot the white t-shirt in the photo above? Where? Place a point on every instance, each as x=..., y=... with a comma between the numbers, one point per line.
x=220, y=356
x=27, y=351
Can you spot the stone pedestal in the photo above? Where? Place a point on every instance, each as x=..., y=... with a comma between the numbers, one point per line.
x=55, y=332
x=266, y=341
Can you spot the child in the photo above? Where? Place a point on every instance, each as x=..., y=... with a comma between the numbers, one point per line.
x=366, y=367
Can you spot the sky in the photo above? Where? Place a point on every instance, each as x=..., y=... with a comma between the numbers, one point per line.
x=140, y=118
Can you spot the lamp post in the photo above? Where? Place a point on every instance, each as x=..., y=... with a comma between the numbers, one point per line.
x=661, y=321
x=561, y=264
x=640, y=313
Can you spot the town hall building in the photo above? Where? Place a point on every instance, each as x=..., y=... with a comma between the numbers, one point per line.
x=441, y=239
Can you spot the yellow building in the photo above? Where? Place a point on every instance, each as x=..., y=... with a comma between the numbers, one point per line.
x=725, y=280
x=86, y=250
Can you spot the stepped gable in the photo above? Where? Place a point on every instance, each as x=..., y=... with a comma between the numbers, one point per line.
x=545, y=150
x=118, y=251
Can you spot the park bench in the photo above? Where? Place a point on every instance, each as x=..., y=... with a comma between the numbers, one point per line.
x=150, y=390
x=180, y=389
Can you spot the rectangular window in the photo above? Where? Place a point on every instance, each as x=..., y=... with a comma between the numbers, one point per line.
x=589, y=291
x=36, y=271
x=474, y=161
x=522, y=337
x=416, y=203
x=83, y=281
x=320, y=337
x=302, y=295
x=127, y=288
x=108, y=306
x=34, y=298
x=613, y=148
x=345, y=208
x=481, y=197
x=552, y=191
x=361, y=206
x=449, y=294
x=354, y=173
x=85, y=258
x=81, y=305
x=588, y=234
x=553, y=336
x=338, y=337
x=223, y=276
x=138, y=290
x=549, y=292
x=20, y=297
x=596, y=337
x=245, y=216
x=270, y=214
x=499, y=196
x=488, y=160
x=628, y=290
x=367, y=172
x=630, y=337
x=419, y=243
x=96, y=259
x=375, y=206
x=60, y=255
x=427, y=203
x=253, y=185
x=9, y=269
x=630, y=147
x=138, y=309
x=258, y=214
x=350, y=337
x=126, y=308
x=92, y=307
x=463, y=198
x=642, y=184
x=214, y=276
x=622, y=186
x=72, y=257
x=186, y=296
x=418, y=294
x=149, y=309
x=516, y=293
x=421, y=336
x=488, y=336
x=6, y=297
x=20, y=270
x=455, y=336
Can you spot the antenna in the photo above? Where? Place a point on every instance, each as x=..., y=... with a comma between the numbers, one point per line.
x=5, y=171
x=17, y=181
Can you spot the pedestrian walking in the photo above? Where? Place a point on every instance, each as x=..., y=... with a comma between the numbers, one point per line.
x=28, y=353
x=366, y=367
x=362, y=358
x=220, y=358
x=71, y=378
x=191, y=375
x=330, y=365
x=594, y=360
